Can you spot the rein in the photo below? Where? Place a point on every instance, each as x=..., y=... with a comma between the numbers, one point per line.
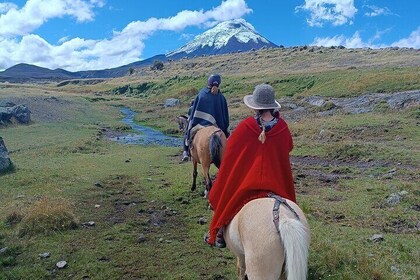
x=276, y=209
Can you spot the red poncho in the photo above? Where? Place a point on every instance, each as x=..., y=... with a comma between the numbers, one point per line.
x=251, y=170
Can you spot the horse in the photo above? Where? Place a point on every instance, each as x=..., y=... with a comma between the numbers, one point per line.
x=264, y=249
x=182, y=121
x=207, y=147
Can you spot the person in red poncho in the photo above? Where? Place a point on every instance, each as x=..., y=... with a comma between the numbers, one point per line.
x=256, y=163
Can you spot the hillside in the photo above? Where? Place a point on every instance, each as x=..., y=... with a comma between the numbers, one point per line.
x=298, y=71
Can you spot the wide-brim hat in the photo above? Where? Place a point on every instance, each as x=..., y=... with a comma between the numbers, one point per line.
x=262, y=98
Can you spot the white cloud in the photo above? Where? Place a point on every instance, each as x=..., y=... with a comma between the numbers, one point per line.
x=413, y=41
x=355, y=41
x=379, y=33
x=7, y=6
x=37, y=12
x=337, y=12
x=76, y=54
x=340, y=40
x=375, y=11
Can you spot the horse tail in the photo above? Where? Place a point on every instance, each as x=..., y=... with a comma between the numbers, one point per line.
x=215, y=146
x=295, y=239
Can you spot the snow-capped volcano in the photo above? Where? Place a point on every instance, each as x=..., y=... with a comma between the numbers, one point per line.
x=228, y=36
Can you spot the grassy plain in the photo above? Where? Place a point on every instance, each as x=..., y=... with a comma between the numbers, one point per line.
x=68, y=174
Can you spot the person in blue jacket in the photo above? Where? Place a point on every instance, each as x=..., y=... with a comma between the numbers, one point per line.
x=210, y=108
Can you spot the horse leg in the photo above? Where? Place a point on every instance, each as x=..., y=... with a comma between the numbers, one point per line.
x=206, y=173
x=240, y=265
x=193, y=187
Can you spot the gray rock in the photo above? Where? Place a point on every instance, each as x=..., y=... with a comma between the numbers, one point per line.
x=3, y=250
x=22, y=114
x=315, y=101
x=288, y=105
x=61, y=264
x=89, y=224
x=366, y=103
x=5, y=162
x=6, y=103
x=393, y=199
x=141, y=238
x=202, y=221
x=44, y=255
x=171, y=102
x=6, y=114
x=404, y=99
x=9, y=110
x=395, y=269
x=377, y=238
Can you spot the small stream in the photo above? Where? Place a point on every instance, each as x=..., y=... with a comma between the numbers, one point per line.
x=146, y=136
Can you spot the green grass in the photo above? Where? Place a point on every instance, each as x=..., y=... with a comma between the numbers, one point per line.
x=337, y=83
x=67, y=165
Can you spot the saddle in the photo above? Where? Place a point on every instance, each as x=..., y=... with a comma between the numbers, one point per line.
x=194, y=131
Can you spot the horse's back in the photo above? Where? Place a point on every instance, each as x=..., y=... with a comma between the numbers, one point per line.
x=253, y=228
x=201, y=143
x=252, y=233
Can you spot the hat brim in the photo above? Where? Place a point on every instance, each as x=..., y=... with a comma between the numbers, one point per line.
x=249, y=101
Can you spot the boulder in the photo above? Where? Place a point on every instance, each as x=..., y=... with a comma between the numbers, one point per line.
x=6, y=114
x=315, y=101
x=22, y=114
x=9, y=110
x=6, y=103
x=171, y=102
x=5, y=162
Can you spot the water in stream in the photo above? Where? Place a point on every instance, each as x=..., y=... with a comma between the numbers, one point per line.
x=146, y=136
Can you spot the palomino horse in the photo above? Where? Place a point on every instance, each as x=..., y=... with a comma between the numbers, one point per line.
x=264, y=250
x=207, y=147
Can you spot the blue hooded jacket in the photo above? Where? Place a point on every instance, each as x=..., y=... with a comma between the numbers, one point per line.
x=209, y=109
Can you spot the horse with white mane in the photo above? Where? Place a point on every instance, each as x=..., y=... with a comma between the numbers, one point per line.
x=254, y=198
x=265, y=249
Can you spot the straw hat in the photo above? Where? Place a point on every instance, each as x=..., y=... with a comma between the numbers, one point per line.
x=262, y=98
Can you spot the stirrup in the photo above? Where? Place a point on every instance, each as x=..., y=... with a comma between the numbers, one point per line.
x=220, y=242
x=185, y=156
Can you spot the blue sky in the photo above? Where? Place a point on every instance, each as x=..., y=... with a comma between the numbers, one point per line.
x=97, y=34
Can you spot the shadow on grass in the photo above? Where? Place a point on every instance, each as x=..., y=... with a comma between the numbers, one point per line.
x=11, y=169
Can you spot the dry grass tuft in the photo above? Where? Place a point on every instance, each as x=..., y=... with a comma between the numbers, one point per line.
x=13, y=218
x=48, y=215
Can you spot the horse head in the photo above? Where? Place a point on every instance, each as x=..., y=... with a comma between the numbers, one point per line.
x=182, y=121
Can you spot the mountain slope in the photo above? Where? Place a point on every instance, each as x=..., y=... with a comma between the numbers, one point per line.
x=25, y=71
x=226, y=37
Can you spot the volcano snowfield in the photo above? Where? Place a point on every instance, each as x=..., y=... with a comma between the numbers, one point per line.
x=114, y=211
